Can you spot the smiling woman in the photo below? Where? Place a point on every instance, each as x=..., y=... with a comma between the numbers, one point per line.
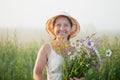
x=63, y=28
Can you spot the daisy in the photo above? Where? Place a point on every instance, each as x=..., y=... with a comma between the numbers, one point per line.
x=108, y=52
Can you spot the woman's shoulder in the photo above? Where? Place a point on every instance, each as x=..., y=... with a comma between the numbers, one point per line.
x=45, y=49
x=46, y=46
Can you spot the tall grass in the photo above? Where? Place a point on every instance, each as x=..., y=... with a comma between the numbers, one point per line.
x=110, y=67
x=17, y=59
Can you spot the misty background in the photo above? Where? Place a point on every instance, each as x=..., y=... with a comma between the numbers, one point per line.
x=28, y=17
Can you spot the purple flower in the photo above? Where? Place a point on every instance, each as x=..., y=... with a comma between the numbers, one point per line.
x=82, y=40
x=89, y=43
x=88, y=37
x=90, y=48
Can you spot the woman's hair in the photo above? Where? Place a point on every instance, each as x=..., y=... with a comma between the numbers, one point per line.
x=67, y=19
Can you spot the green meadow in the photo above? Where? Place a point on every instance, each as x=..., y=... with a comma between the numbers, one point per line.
x=17, y=59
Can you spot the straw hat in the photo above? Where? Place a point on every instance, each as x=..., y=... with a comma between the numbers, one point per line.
x=75, y=27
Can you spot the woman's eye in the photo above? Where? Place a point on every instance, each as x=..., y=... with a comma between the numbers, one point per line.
x=57, y=25
x=65, y=25
x=60, y=25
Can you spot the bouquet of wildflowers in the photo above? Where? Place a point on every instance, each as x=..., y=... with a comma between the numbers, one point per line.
x=78, y=63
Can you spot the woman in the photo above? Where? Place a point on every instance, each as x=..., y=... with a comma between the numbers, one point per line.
x=63, y=28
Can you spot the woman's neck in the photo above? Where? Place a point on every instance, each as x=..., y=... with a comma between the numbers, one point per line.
x=61, y=40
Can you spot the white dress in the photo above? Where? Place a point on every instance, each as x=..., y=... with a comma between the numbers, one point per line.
x=54, y=70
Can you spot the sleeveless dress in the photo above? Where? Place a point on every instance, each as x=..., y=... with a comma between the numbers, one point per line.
x=54, y=64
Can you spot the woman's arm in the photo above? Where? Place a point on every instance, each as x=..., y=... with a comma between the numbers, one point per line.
x=41, y=62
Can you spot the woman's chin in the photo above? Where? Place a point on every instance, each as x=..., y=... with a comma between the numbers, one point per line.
x=63, y=37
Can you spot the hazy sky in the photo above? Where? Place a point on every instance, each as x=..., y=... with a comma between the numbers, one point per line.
x=100, y=14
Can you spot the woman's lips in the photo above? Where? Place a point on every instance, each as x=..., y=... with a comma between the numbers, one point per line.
x=62, y=32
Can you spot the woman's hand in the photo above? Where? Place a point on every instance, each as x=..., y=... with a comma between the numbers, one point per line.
x=74, y=78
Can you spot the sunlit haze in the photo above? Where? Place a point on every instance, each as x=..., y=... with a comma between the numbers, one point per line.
x=91, y=14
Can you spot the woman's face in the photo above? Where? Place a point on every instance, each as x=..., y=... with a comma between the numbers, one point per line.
x=62, y=27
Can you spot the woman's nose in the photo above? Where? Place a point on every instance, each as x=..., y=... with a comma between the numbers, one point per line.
x=62, y=27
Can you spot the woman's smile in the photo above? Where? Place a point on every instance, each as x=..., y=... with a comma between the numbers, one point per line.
x=62, y=32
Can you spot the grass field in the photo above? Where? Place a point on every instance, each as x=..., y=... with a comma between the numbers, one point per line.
x=17, y=59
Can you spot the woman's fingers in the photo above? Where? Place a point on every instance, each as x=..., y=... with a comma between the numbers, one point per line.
x=75, y=78
x=78, y=78
x=82, y=79
x=71, y=79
